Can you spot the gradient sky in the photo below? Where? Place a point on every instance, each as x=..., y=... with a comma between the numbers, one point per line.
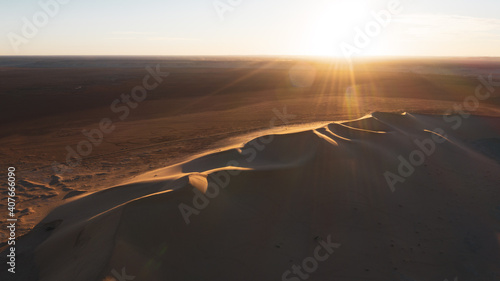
x=254, y=27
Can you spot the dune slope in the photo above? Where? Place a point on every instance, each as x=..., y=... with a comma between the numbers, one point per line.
x=385, y=197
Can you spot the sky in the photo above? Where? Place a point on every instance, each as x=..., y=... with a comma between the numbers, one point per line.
x=251, y=27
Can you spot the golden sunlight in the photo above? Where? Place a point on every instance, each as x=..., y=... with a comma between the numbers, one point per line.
x=332, y=25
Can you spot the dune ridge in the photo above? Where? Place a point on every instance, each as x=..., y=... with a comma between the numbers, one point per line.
x=253, y=210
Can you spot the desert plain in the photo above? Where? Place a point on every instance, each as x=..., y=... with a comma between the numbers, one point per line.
x=252, y=168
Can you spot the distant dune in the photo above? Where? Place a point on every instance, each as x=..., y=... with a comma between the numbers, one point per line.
x=385, y=197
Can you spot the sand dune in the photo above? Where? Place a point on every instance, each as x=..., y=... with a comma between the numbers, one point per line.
x=259, y=210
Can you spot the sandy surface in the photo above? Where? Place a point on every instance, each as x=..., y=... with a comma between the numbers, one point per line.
x=253, y=210
x=315, y=180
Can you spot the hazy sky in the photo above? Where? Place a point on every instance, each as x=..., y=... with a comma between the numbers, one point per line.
x=250, y=27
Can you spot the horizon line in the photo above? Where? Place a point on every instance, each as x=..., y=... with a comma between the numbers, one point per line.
x=254, y=56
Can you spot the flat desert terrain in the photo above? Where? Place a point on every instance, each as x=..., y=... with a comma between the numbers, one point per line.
x=246, y=168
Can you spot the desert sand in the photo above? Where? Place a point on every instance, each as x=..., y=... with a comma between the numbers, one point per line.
x=265, y=210
x=267, y=181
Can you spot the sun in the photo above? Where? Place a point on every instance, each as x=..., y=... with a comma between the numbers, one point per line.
x=331, y=24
